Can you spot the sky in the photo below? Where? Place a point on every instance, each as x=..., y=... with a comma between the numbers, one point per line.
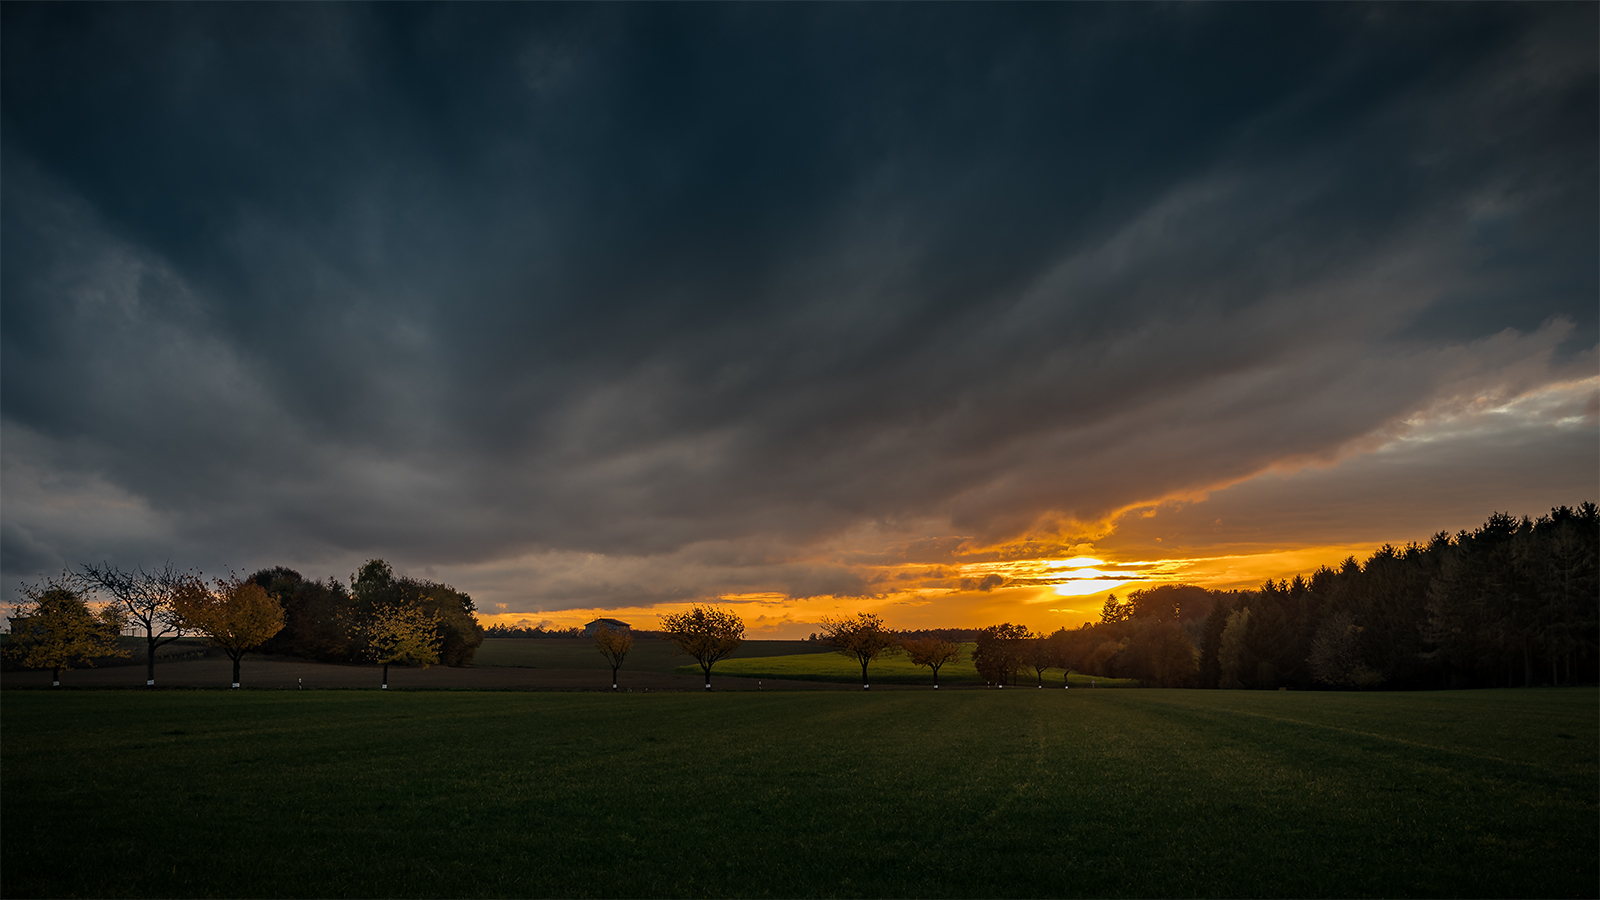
x=958, y=314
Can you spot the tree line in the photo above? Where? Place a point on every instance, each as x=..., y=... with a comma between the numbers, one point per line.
x=1515, y=602
x=535, y=632
x=381, y=618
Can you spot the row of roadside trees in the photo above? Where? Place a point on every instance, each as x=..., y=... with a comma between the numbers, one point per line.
x=710, y=634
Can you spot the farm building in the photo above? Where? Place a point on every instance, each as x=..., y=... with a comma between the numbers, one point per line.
x=597, y=624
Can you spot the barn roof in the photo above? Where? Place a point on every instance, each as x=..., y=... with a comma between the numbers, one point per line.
x=614, y=622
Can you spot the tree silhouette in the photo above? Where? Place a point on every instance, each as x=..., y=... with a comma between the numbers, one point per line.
x=706, y=633
x=145, y=599
x=1233, y=655
x=1112, y=611
x=932, y=653
x=613, y=644
x=861, y=638
x=998, y=653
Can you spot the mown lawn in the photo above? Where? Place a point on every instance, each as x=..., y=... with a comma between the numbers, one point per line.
x=896, y=669
x=975, y=793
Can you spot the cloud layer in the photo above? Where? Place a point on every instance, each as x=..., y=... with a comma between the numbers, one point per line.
x=620, y=305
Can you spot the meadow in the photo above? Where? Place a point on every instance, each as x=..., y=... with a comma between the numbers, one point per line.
x=895, y=669
x=965, y=793
x=791, y=660
x=648, y=654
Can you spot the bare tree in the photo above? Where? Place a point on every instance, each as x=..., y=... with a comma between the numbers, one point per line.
x=146, y=600
x=862, y=638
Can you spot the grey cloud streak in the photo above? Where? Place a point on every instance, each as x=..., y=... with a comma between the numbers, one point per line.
x=463, y=285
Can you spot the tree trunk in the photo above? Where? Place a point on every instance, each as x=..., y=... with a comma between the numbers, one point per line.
x=707, y=669
x=236, y=669
x=935, y=677
x=1527, y=664
x=150, y=659
x=614, y=677
x=386, y=676
x=55, y=677
x=864, y=674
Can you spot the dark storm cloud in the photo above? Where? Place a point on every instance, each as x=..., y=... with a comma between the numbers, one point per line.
x=459, y=283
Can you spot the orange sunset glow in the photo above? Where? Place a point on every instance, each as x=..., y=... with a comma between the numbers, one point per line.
x=1043, y=594
x=1062, y=449
x=986, y=356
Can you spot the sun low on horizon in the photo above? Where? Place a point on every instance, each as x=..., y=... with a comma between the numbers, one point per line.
x=955, y=314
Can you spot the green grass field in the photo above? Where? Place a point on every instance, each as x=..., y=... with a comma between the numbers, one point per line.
x=648, y=654
x=975, y=793
x=829, y=666
x=794, y=660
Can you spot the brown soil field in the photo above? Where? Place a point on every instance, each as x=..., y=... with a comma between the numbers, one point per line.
x=279, y=673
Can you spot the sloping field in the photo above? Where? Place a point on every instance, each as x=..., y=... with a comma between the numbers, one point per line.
x=905, y=793
x=647, y=655
x=833, y=667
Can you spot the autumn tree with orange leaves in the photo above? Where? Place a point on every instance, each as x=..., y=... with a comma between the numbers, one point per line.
x=236, y=615
x=706, y=633
x=931, y=653
x=861, y=637
x=613, y=644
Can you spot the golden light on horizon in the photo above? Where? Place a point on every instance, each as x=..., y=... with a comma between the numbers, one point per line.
x=1088, y=586
x=1084, y=574
x=1076, y=562
x=977, y=593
